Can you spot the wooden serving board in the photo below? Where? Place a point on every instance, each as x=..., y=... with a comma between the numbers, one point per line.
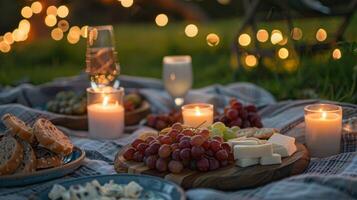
x=228, y=178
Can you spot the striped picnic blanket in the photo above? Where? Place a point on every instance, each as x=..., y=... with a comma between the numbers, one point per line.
x=287, y=116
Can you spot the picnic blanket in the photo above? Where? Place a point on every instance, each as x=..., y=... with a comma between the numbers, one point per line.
x=333, y=177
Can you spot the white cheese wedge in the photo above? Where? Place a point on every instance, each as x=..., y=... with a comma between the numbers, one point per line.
x=270, y=160
x=246, y=162
x=252, y=151
x=283, y=145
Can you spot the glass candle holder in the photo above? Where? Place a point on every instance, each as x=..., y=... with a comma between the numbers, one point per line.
x=323, y=128
x=105, y=112
x=197, y=115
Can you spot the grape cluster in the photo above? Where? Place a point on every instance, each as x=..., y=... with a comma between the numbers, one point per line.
x=181, y=148
x=162, y=121
x=68, y=103
x=235, y=114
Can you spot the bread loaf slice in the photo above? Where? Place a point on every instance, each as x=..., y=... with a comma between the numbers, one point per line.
x=47, y=159
x=51, y=138
x=19, y=128
x=28, y=163
x=11, y=155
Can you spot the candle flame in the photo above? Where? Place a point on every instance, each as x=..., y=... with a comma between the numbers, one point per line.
x=197, y=111
x=105, y=101
x=324, y=115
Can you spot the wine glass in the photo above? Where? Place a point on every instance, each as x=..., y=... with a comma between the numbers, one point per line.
x=101, y=58
x=177, y=76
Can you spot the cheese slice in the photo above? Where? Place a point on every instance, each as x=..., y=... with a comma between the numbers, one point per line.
x=246, y=162
x=270, y=160
x=242, y=141
x=283, y=145
x=252, y=151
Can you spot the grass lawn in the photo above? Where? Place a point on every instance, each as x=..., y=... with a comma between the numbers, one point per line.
x=141, y=48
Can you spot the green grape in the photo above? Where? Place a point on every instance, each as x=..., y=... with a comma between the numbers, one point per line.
x=61, y=95
x=235, y=128
x=216, y=132
x=229, y=134
x=220, y=126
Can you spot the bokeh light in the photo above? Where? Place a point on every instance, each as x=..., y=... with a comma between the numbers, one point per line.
x=283, y=53
x=62, y=11
x=336, y=54
x=191, y=30
x=8, y=38
x=24, y=25
x=262, y=35
x=321, y=35
x=63, y=25
x=224, y=2
x=36, y=7
x=212, y=39
x=57, y=34
x=51, y=10
x=251, y=61
x=50, y=20
x=4, y=47
x=276, y=37
x=161, y=20
x=127, y=3
x=84, y=31
x=74, y=35
x=19, y=35
x=284, y=41
x=26, y=12
x=296, y=33
x=244, y=39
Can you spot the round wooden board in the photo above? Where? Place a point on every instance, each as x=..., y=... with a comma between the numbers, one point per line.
x=231, y=177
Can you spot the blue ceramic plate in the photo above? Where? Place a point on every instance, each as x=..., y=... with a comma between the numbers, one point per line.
x=155, y=187
x=71, y=163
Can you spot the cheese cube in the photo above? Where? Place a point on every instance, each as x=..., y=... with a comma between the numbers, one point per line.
x=270, y=160
x=283, y=145
x=252, y=151
x=246, y=162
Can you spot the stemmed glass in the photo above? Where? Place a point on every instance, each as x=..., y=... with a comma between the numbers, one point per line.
x=177, y=76
x=101, y=58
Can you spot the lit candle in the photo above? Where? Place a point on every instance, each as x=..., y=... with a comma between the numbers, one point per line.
x=197, y=115
x=106, y=117
x=323, y=126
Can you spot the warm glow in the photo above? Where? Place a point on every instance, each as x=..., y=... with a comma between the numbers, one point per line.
x=321, y=35
x=284, y=41
x=84, y=31
x=251, y=61
x=212, y=39
x=62, y=11
x=24, y=26
x=127, y=3
x=50, y=20
x=105, y=101
x=51, y=10
x=4, y=47
x=8, y=38
x=296, y=33
x=57, y=34
x=19, y=35
x=26, y=12
x=262, y=35
x=336, y=54
x=191, y=30
x=276, y=37
x=63, y=25
x=36, y=7
x=283, y=53
x=161, y=20
x=244, y=39
x=323, y=115
x=224, y=2
x=197, y=111
x=74, y=35
x=172, y=76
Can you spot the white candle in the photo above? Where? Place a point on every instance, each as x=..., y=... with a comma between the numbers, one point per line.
x=197, y=115
x=105, y=120
x=323, y=128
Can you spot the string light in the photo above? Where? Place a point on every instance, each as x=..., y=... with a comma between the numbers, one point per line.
x=321, y=35
x=4, y=47
x=19, y=35
x=51, y=10
x=244, y=39
x=24, y=26
x=283, y=53
x=262, y=35
x=57, y=34
x=62, y=11
x=36, y=7
x=127, y=3
x=276, y=37
x=251, y=61
x=212, y=39
x=191, y=30
x=26, y=12
x=63, y=25
x=296, y=33
x=8, y=38
x=284, y=41
x=161, y=20
x=336, y=54
x=50, y=20
x=84, y=31
x=74, y=35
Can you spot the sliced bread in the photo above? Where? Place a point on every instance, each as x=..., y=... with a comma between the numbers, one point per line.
x=11, y=155
x=47, y=159
x=51, y=138
x=28, y=163
x=19, y=128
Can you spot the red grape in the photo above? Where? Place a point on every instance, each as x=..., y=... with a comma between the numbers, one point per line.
x=142, y=147
x=187, y=132
x=209, y=153
x=213, y=163
x=129, y=153
x=232, y=114
x=188, y=138
x=232, y=101
x=205, y=145
x=221, y=155
x=215, y=145
x=250, y=108
x=236, y=122
x=226, y=147
x=154, y=147
x=243, y=114
x=185, y=154
x=173, y=133
x=149, y=139
x=205, y=133
x=175, y=166
x=136, y=142
x=177, y=126
x=176, y=154
x=203, y=164
x=138, y=156
x=179, y=136
x=218, y=138
x=197, y=152
x=174, y=146
x=236, y=105
x=161, y=165
x=151, y=161
x=166, y=140
x=159, y=138
x=151, y=120
x=184, y=144
x=165, y=151
x=160, y=125
x=197, y=140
